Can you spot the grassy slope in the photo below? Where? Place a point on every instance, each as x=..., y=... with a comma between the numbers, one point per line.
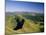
x=29, y=26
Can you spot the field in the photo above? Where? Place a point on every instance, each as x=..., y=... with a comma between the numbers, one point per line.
x=34, y=23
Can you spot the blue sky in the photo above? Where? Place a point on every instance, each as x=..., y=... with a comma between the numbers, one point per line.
x=14, y=6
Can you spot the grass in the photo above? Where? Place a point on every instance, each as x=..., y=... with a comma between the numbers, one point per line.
x=28, y=27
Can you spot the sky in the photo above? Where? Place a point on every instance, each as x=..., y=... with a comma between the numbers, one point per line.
x=20, y=6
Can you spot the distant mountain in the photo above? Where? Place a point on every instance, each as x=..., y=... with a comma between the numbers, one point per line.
x=14, y=13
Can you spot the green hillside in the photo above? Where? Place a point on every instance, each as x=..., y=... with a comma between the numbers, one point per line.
x=28, y=27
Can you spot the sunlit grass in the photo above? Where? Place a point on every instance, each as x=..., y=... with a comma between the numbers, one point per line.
x=29, y=25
